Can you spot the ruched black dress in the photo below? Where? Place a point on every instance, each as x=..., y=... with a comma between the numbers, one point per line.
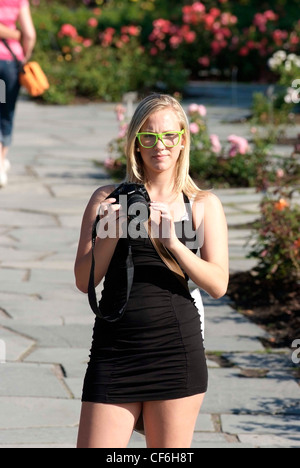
x=155, y=352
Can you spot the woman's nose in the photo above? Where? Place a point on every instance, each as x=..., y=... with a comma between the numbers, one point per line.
x=160, y=144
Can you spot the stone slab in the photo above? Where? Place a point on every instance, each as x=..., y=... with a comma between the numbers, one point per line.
x=260, y=424
x=16, y=346
x=42, y=203
x=261, y=361
x=46, y=238
x=241, y=219
x=53, y=275
x=75, y=384
x=21, y=219
x=230, y=392
x=47, y=312
x=24, y=412
x=10, y=275
x=232, y=343
x=271, y=441
x=236, y=265
x=204, y=423
x=230, y=323
x=38, y=446
x=58, y=436
x=63, y=336
x=73, y=361
x=32, y=380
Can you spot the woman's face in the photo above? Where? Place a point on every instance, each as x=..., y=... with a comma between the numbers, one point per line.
x=161, y=158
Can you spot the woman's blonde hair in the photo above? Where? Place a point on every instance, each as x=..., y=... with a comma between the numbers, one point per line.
x=135, y=167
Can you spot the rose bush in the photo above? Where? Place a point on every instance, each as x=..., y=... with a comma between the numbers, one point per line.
x=106, y=48
x=276, y=240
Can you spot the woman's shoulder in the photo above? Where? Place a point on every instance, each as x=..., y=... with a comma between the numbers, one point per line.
x=205, y=196
x=103, y=192
x=208, y=201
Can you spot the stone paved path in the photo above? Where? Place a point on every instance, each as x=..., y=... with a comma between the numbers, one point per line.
x=46, y=324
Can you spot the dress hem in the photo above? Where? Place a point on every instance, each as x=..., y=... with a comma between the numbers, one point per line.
x=136, y=399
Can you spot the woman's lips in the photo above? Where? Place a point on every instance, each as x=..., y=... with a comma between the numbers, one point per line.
x=160, y=156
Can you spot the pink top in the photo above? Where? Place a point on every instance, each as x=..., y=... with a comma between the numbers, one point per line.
x=9, y=14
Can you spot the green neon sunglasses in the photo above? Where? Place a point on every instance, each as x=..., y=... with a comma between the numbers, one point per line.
x=169, y=139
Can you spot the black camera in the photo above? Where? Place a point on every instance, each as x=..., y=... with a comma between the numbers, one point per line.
x=137, y=201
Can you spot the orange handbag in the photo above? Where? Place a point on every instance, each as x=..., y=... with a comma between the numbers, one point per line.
x=31, y=76
x=33, y=79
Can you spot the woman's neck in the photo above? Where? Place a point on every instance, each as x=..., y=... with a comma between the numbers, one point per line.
x=161, y=186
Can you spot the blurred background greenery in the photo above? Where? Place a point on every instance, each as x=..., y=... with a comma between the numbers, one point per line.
x=100, y=49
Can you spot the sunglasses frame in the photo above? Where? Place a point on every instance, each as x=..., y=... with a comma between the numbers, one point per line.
x=159, y=136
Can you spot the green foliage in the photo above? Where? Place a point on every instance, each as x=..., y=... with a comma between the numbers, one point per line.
x=175, y=42
x=277, y=241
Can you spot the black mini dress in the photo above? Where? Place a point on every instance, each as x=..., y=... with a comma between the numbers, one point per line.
x=155, y=352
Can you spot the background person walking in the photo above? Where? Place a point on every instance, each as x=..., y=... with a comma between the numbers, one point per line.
x=21, y=40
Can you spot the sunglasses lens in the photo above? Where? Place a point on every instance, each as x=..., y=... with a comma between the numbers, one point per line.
x=171, y=139
x=148, y=140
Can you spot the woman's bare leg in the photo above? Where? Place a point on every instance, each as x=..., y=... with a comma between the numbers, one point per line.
x=171, y=423
x=107, y=425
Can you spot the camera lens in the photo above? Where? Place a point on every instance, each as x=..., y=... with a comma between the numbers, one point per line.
x=138, y=208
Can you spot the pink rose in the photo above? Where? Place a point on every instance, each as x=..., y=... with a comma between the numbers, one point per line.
x=215, y=143
x=193, y=108
x=198, y=7
x=133, y=30
x=109, y=163
x=87, y=42
x=196, y=109
x=239, y=145
x=123, y=130
x=204, y=61
x=202, y=111
x=120, y=111
x=280, y=173
x=194, y=128
x=92, y=22
x=68, y=30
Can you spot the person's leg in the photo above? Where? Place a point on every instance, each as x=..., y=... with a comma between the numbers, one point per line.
x=9, y=73
x=107, y=425
x=3, y=164
x=171, y=423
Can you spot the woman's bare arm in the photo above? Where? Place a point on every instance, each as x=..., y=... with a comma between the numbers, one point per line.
x=104, y=248
x=8, y=33
x=28, y=33
x=211, y=271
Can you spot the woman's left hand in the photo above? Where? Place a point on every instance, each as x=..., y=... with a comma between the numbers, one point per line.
x=163, y=225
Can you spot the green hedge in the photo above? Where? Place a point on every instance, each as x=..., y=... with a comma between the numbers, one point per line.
x=163, y=54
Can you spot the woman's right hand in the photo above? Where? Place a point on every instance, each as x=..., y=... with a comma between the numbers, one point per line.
x=112, y=220
x=104, y=249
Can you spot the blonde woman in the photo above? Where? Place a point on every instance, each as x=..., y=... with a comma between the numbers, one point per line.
x=152, y=361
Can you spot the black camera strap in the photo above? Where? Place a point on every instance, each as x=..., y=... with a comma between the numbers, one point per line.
x=92, y=295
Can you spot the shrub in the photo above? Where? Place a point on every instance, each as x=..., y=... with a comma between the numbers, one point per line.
x=176, y=42
x=86, y=59
x=277, y=241
x=277, y=107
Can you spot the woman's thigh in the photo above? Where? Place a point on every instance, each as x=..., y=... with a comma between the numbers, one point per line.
x=107, y=425
x=171, y=423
